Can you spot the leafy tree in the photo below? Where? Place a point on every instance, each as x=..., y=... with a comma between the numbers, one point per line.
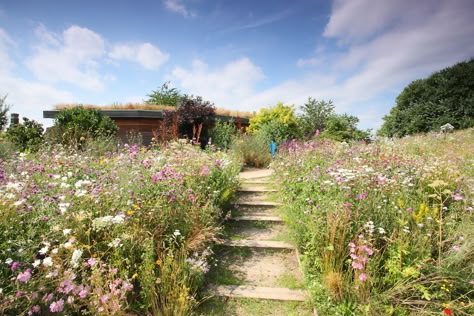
x=278, y=123
x=343, y=127
x=315, y=115
x=424, y=105
x=78, y=124
x=165, y=96
x=26, y=136
x=4, y=108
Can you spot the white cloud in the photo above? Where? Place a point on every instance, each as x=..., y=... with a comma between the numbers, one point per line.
x=71, y=57
x=311, y=62
x=5, y=44
x=177, y=6
x=225, y=86
x=27, y=98
x=145, y=54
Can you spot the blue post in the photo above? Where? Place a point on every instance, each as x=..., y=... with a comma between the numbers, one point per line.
x=273, y=148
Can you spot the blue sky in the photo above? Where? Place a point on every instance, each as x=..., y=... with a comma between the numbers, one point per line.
x=241, y=55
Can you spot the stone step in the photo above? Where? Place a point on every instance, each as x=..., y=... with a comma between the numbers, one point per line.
x=258, y=292
x=256, y=190
x=257, y=218
x=256, y=203
x=267, y=244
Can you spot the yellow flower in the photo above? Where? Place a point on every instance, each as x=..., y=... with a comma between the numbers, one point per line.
x=135, y=276
x=130, y=212
x=158, y=262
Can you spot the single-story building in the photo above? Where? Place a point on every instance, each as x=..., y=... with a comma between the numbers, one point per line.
x=144, y=121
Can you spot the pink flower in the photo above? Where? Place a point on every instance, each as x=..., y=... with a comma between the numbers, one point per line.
x=25, y=276
x=457, y=197
x=363, y=277
x=91, y=262
x=357, y=265
x=15, y=265
x=57, y=307
x=204, y=171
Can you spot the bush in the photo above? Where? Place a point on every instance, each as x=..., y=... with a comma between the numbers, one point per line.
x=27, y=136
x=194, y=113
x=223, y=134
x=277, y=123
x=253, y=150
x=76, y=125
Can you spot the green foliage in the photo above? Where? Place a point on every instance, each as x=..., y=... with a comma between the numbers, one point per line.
x=343, y=127
x=223, y=134
x=76, y=125
x=253, y=150
x=277, y=123
x=424, y=105
x=3, y=112
x=315, y=115
x=165, y=96
x=26, y=136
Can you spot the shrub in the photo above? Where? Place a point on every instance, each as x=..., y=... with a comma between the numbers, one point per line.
x=315, y=115
x=74, y=126
x=194, y=112
x=277, y=123
x=27, y=136
x=223, y=134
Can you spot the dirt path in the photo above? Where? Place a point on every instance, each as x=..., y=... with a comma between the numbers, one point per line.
x=258, y=271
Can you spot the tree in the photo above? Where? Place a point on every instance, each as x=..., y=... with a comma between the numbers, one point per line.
x=194, y=113
x=278, y=123
x=165, y=96
x=26, y=136
x=77, y=124
x=343, y=127
x=446, y=96
x=315, y=115
x=4, y=108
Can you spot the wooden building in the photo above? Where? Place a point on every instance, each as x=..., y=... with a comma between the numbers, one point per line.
x=143, y=121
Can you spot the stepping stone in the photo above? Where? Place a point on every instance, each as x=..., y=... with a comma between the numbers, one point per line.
x=260, y=292
x=257, y=218
x=267, y=244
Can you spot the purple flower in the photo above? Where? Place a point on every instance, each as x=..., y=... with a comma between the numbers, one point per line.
x=91, y=262
x=57, y=307
x=25, y=276
x=362, y=196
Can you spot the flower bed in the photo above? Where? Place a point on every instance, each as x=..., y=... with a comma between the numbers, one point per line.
x=123, y=233
x=384, y=228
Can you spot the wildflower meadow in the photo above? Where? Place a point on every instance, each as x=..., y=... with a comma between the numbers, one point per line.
x=122, y=233
x=385, y=228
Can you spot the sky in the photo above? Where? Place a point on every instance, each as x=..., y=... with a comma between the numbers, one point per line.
x=241, y=55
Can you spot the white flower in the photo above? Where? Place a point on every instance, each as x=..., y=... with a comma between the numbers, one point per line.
x=76, y=255
x=66, y=231
x=55, y=250
x=63, y=207
x=20, y=202
x=52, y=274
x=9, y=261
x=115, y=243
x=48, y=262
x=177, y=233
x=36, y=263
x=118, y=219
x=44, y=250
x=67, y=245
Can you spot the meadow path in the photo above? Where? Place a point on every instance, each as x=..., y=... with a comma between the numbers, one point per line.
x=258, y=270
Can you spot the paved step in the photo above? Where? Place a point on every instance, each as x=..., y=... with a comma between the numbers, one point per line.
x=267, y=244
x=257, y=203
x=257, y=218
x=256, y=190
x=248, y=230
x=259, y=292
